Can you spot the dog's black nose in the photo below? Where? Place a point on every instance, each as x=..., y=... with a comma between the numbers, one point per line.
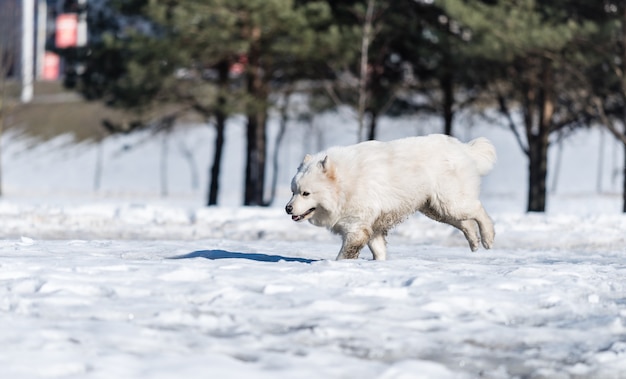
x=289, y=209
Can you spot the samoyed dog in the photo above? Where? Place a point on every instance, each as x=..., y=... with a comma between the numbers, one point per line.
x=362, y=191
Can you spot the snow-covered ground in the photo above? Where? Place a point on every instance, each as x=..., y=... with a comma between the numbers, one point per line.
x=121, y=283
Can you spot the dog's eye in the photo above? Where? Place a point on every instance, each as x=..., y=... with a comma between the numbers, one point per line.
x=305, y=194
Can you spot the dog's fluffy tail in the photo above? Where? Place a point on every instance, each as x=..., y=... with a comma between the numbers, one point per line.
x=483, y=153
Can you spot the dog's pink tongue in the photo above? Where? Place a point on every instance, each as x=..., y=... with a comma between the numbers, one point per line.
x=295, y=218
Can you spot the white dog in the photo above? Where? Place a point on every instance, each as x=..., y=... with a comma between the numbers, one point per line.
x=361, y=191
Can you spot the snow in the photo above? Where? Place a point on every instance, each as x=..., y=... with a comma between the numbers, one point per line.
x=121, y=283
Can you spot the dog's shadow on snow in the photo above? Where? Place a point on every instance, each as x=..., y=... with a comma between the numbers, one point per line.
x=224, y=254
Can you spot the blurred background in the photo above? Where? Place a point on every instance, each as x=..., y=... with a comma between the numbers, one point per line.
x=215, y=102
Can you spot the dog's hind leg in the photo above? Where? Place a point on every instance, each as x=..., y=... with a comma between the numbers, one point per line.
x=378, y=246
x=485, y=227
x=487, y=232
x=469, y=229
x=467, y=226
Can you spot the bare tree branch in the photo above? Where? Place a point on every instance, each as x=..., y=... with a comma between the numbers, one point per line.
x=330, y=90
x=607, y=121
x=504, y=110
x=363, y=75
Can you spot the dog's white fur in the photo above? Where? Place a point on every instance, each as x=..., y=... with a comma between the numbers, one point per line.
x=361, y=191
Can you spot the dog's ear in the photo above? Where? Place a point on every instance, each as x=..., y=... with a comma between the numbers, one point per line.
x=307, y=159
x=324, y=163
x=328, y=168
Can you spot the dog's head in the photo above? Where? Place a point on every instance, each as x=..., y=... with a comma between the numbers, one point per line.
x=312, y=188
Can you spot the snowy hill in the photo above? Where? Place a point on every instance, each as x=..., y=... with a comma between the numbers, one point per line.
x=591, y=160
x=124, y=283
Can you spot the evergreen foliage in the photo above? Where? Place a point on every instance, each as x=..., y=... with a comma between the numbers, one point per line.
x=534, y=51
x=559, y=64
x=181, y=53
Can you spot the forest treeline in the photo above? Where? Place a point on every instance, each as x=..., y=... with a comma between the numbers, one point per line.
x=545, y=67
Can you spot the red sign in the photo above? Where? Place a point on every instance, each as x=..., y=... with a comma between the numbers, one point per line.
x=67, y=30
x=51, y=63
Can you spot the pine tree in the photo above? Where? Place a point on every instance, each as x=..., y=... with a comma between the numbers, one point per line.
x=527, y=46
x=606, y=73
x=380, y=31
x=398, y=49
x=181, y=53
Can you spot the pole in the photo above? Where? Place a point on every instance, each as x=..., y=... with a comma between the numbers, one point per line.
x=28, y=37
x=81, y=27
x=42, y=17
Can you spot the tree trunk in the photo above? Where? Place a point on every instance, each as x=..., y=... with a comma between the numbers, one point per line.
x=256, y=112
x=220, y=127
x=164, y=170
x=5, y=57
x=623, y=87
x=366, y=40
x=624, y=178
x=255, y=165
x=284, y=118
x=371, y=132
x=3, y=110
x=97, y=176
x=537, y=169
x=539, y=94
x=188, y=155
x=447, y=88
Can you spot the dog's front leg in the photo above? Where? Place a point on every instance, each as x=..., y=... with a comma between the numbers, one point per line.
x=378, y=246
x=352, y=244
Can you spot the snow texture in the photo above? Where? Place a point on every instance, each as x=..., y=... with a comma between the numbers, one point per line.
x=132, y=286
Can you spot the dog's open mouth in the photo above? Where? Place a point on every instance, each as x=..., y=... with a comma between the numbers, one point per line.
x=303, y=216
